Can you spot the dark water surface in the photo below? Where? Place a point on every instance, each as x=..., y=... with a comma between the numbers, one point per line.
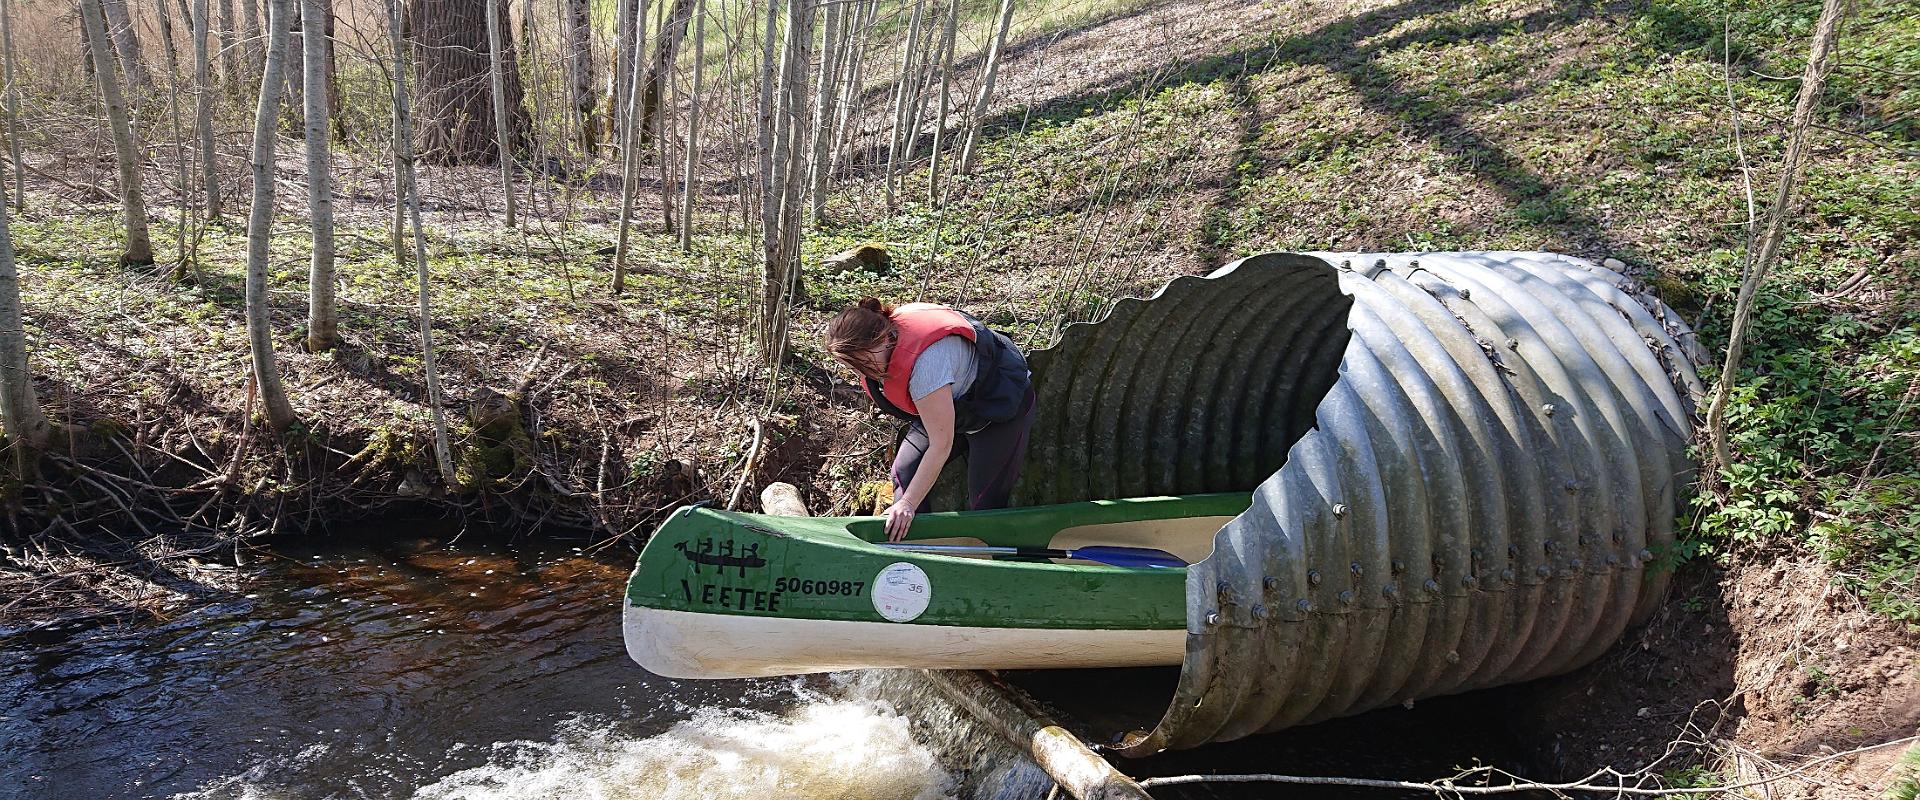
x=414, y=669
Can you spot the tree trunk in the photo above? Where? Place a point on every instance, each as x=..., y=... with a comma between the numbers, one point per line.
x=693, y=128
x=13, y=109
x=126, y=41
x=850, y=104
x=502, y=121
x=1819, y=63
x=946, y=91
x=250, y=47
x=970, y=152
x=455, y=94
x=229, y=52
x=179, y=133
x=405, y=184
x=266, y=125
x=629, y=156
x=203, y=111
x=629, y=34
x=323, y=315
x=581, y=80
x=823, y=110
x=902, y=99
x=25, y=423
x=133, y=204
x=665, y=48
x=790, y=162
x=772, y=283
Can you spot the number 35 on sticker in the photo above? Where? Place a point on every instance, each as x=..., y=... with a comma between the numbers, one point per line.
x=901, y=592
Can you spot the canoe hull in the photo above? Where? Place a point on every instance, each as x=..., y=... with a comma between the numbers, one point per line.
x=688, y=644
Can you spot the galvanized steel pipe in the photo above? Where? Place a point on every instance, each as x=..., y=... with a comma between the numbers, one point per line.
x=1464, y=463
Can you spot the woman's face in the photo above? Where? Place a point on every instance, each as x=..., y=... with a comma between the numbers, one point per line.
x=872, y=362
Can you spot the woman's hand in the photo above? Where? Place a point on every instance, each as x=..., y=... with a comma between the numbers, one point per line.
x=899, y=518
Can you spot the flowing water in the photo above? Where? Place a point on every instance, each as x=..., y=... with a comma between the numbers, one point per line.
x=415, y=669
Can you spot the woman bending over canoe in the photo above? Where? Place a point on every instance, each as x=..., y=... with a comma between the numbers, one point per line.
x=948, y=376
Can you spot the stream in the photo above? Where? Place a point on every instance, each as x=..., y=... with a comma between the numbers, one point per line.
x=414, y=668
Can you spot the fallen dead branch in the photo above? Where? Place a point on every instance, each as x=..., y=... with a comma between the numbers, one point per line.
x=1605, y=781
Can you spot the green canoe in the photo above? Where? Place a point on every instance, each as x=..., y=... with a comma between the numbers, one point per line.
x=726, y=595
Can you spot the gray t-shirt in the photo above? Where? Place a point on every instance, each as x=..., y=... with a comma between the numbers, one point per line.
x=949, y=360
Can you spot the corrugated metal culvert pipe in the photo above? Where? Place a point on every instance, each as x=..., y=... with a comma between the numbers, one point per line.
x=1464, y=463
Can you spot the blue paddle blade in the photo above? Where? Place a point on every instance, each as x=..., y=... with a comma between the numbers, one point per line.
x=1127, y=557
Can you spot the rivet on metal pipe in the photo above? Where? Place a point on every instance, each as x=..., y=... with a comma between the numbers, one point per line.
x=1313, y=577
x=1346, y=597
x=1431, y=585
x=1548, y=409
x=1339, y=510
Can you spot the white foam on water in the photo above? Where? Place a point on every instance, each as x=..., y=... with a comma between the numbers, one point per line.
x=846, y=749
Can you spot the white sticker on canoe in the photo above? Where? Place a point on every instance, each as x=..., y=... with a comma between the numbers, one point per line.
x=901, y=592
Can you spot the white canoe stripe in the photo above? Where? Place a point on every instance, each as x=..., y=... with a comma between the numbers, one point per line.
x=690, y=644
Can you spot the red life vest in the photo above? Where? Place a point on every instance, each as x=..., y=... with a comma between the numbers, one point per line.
x=919, y=326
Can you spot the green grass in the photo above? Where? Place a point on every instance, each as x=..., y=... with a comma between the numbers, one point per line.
x=1906, y=783
x=1599, y=129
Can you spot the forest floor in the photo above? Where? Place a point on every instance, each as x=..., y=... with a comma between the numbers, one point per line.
x=1154, y=140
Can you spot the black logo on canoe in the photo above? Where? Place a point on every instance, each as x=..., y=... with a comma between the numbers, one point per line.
x=705, y=551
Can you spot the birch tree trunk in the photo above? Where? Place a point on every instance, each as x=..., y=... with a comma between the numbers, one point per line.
x=13, y=109
x=203, y=112
x=629, y=155
x=26, y=424
x=1819, y=63
x=693, y=127
x=970, y=152
x=266, y=124
x=581, y=82
x=323, y=316
x=406, y=184
x=501, y=121
x=133, y=204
